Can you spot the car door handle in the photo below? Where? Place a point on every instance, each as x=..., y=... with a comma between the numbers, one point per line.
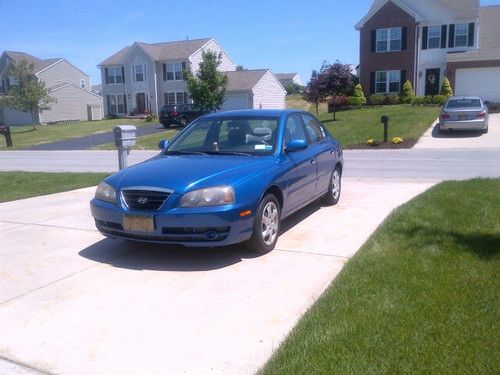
x=313, y=161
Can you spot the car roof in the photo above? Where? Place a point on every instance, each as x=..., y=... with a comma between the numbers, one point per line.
x=464, y=97
x=253, y=113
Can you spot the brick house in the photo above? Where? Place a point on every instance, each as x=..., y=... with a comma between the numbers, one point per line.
x=424, y=41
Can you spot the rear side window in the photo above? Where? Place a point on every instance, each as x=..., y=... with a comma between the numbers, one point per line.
x=314, y=129
x=464, y=103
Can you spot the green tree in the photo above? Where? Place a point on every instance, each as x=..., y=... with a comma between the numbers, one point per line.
x=208, y=86
x=28, y=94
x=293, y=88
x=446, y=87
x=338, y=81
x=358, y=99
x=239, y=68
x=408, y=95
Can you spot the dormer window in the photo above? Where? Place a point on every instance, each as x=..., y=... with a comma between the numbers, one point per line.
x=389, y=39
x=461, y=32
x=82, y=83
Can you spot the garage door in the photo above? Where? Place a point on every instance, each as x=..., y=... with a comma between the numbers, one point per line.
x=239, y=101
x=484, y=82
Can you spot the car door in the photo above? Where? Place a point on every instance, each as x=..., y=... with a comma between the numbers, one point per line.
x=322, y=151
x=301, y=176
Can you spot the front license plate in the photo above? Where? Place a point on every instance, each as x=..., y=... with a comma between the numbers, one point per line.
x=138, y=223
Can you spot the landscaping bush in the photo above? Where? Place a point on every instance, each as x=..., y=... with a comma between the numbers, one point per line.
x=341, y=102
x=446, y=88
x=377, y=99
x=440, y=99
x=392, y=99
x=408, y=95
x=358, y=99
x=293, y=88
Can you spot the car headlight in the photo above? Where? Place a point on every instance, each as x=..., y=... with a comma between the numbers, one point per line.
x=214, y=196
x=105, y=192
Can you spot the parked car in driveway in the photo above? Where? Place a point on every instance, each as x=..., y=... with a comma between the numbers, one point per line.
x=464, y=113
x=229, y=177
x=180, y=114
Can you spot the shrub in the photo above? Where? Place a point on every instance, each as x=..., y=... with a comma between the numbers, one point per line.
x=340, y=102
x=358, y=99
x=440, y=99
x=446, y=88
x=149, y=118
x=408, y=95
x=392, y=99
x=377, y=99
x=293, y=88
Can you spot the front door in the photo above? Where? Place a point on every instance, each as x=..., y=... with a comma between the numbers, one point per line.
x=141, y=103
x=432, y=80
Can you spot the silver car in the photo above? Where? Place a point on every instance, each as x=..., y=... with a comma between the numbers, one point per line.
x=464, y=113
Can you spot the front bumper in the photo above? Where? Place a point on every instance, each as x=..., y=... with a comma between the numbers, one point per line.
x=479, y=124
x=193, y=227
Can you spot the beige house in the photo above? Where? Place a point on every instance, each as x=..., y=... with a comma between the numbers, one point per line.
x=289, y=78
x=144, y=77
x=69, y=85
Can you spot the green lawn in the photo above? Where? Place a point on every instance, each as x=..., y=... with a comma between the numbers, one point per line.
x=26, y=136
x=19, y=185
x=422, y=296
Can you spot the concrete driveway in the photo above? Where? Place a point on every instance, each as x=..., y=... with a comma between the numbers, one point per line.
x=72, y=302
x=433, y=139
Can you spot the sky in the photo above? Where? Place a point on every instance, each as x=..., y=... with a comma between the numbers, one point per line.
x=285, y=36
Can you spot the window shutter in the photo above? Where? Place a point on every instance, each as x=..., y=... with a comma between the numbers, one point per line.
x=123, y=74
x=144, y=72
x=133, y=73
x=451, y=37
x=372, y=82
x=106, y=75
x=164, y=72
x=471, y=35
x=443, y=36
x=109, y=104
x=125, y=103
x=403, y=80
x=404, y=37
x=183, y=69
x=425, y=34
x=374, y=41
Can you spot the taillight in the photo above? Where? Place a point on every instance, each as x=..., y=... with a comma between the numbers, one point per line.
x=481, y=115
x=173, y=113
x=445, y=116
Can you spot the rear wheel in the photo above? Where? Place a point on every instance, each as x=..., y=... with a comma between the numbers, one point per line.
x=485, y=130
x=266, y=226
x=333, y=195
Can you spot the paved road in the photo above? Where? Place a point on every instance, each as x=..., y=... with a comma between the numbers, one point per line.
x=412, y=163
x=92, y=140
x=72, y=302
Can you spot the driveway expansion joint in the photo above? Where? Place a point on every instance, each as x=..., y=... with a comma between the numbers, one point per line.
x=312, y=253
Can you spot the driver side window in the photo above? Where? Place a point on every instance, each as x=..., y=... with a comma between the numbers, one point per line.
x=294, y=129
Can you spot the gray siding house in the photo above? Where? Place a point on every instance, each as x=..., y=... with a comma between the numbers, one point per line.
x=288, y=78
x=69, y=85
x=144, y=77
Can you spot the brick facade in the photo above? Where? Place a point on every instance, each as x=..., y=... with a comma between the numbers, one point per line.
x=390, y=15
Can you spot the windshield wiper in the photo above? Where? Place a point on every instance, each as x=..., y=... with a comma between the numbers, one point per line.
x=175, y=152
x=228, y=153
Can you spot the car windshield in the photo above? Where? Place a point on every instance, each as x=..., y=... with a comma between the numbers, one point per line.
x=464, y=103
x=223, y=136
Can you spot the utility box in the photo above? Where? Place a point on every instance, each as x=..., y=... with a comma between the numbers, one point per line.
x=124, y=136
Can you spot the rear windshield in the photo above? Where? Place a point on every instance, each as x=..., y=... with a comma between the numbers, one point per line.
x=464, y=103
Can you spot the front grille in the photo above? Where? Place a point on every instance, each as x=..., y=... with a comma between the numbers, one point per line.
x=145, y=199
x=195, y=234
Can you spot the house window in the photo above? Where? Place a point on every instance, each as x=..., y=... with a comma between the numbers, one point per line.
x=114, y=75
x=387, y=81
x=434, y=37
x=116, y=104
x=139, y=73
x=174, y=71
x=389, y=39
x=173, y=98
x=461, y=31
x=82, y=83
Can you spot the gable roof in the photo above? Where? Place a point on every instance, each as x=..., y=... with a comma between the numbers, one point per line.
x=432, y=11
x=244, y=80
x=160, y=51
x=281, y=76
x=38, y=63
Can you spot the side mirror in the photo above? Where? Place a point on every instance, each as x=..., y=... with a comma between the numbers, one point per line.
x=296, y=145
x=164, y=143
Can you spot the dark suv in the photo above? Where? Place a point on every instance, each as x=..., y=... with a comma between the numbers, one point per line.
x=181, y=114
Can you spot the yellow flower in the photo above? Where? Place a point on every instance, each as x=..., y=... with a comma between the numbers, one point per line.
x=397, y=140
x=370, y=142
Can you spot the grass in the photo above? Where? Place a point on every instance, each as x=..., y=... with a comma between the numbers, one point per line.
x=19, y=185
x=421, y=296
x=26, y=136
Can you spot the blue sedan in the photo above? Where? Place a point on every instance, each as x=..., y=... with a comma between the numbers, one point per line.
x=227, y=178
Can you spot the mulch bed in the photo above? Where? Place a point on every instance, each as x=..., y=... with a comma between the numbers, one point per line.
x=408, y=143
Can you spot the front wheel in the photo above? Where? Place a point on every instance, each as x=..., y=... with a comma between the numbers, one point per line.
x=333, y=195
x=266, y=226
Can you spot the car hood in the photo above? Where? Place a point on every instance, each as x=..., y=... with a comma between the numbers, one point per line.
x=189, y=172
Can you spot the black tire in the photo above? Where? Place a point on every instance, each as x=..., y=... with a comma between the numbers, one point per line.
x=183, y=121
x=269, y=208
x=166, y=126
x=333, y=195
x=485, y=131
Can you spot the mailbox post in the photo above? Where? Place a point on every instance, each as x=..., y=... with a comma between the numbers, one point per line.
x=124, y=140
x=385, y=120
x=5, y=131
